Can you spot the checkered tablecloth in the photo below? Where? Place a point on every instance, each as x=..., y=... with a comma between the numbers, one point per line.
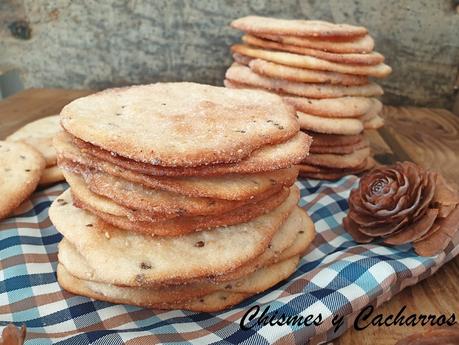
x=336, y=277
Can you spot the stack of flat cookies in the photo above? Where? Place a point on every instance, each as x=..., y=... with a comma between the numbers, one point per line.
x=181, y=195
x=322, y=70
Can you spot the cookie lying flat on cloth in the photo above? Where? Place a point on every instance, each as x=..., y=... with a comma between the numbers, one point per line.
x=39, y=134
x=21, y=167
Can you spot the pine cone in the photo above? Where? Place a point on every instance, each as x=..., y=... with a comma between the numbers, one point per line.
x=401, y=204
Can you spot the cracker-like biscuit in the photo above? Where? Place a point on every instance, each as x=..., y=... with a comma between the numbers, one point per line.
x=213, y=302
x=268, y=158
x=174, y=259
x=168, y=225
x=363, y=44
x=344, y=126
x=242, y=59
x=227, y=187
x=373, y=122
x=332, y=107
x=321, y=139
x=334, y=174
x=380, y=70
x=39, y=134
x=296, y=27
x=256, y=282
x=20, y=167
x=339, y=150
x=351, y=160
x=180, y=124
x=150, y=205
x=302, y=75
x=372, y=58
x=244, y=75
x=292, y=239
x=51, y=175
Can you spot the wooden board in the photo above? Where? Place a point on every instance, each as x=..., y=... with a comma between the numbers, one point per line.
x=32, y=104
x=426, y=136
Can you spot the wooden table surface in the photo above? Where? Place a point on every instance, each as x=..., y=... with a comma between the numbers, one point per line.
x=429, y=137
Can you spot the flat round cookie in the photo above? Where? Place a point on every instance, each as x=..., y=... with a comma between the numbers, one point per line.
x=39, y=134
x=51, y=175
x=334, y=174
x=372, y=58
x=296, y=27
x=256, y=282
x=332, y=107
x=180, y=124
x=242, y=59
x=268, y=158
x=380, y=70
x=20, y=169
x=174, y=259
x=244, y=75
x=339, y=150
x=209, y=303
x=292, y=239
x=363, y=44
x=167, y=225
x=373, y=122
x=302, y=75
x=320, y=139
x=158, y=202
x=328, y=125
x=351, y=160
x=227, y=187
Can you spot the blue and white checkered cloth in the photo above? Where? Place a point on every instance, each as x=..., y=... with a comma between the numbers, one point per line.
x=336, y=277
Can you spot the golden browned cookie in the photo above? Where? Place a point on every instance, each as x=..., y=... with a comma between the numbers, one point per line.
x=320, y=139
x=302, y=75
x=174, y=259
x=363, y=44
x=380, y=70
x=20, y=169
x=244, y=75
x=372, y=58
x=51, y=175
x=142, y=210
x=39, y=134
x=227, y=187
x=334, y=174
x=268, y=158
x=328, y=125
x=310, y=28
x=333, y=107
x=351, y=160
x=180, y=124
x=339, y=150
x=292, y=239
x=167, y=225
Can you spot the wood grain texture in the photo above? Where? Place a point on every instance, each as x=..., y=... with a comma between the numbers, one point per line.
x=32, y=104
x=426, y=136
x=429, y=137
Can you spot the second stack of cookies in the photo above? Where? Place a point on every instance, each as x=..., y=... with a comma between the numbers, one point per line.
x=322, y=70
x=181, y=195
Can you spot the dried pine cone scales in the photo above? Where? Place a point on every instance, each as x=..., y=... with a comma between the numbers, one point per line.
x=402, y=204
